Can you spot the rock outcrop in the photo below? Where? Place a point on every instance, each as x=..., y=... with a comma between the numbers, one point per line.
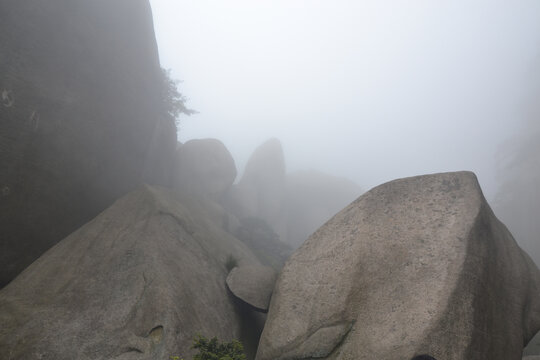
x=204, y=167
x=137, y=282
x=415, y=266
x=253, y=285
x=82, y=120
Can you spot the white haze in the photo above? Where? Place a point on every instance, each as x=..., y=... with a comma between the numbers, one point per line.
x=369, y=90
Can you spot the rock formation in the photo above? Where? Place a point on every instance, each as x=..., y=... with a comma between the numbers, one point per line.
x=137, y=282
x=204, y=167
x=81, y=117
x=415, y=266
x=253, y=285
x=260, y=191
x=293, y=204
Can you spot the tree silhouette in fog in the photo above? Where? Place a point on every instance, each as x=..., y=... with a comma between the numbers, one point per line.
x=174, y=102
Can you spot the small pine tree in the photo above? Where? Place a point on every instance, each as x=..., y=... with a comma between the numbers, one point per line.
x=214, y=350
x=174, y=102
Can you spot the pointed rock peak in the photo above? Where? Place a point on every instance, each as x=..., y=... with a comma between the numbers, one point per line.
x=268, y=158
x=138, y=281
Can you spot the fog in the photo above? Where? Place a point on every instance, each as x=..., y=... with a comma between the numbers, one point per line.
x=517, y=201
x=152, y=218
x=368, y=90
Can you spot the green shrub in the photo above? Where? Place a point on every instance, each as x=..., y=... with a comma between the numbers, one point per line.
x=214, y=350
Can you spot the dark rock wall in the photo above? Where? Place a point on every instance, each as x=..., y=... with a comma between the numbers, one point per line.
x=81, y=121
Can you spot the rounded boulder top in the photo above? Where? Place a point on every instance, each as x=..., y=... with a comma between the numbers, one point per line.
x=400, y=268
x=253, y=284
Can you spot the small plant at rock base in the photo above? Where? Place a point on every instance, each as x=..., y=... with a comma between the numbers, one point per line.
x=214, y=350
x=231, y=263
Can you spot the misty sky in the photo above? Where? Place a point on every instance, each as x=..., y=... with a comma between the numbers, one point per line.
x=369, y=90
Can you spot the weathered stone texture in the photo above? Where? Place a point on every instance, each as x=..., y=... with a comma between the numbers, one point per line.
x=140, y=281
x=415, y=266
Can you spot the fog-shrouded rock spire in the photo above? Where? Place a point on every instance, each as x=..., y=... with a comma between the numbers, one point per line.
x=293, y=204
x=260, y=191
x=415, y=266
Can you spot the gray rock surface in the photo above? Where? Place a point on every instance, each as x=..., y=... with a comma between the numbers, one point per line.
x=416, y=265
x=253, y=285
x=137, y=282
x=82, y=120
x=204, y=167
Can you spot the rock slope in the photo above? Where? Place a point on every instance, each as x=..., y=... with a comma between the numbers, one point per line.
x=137, y=282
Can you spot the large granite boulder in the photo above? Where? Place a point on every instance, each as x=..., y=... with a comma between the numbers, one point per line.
x=137, y=282
x=204, y=167
x=415, y=266
x=82, y=120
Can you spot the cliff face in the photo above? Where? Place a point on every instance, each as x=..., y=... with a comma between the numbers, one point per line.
x=81, y=120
